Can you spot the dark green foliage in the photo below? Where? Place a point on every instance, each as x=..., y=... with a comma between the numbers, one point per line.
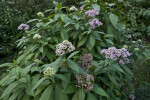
x=143, y=92
x=12, y=14
x=136, y=15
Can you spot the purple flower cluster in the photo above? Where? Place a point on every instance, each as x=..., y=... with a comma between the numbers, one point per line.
x=85, y=81
x=95, y=22
x=92, y=13
x=23, y=27
x=117, y=54
x=132, y=97
x=87, y=62
x=62, y=47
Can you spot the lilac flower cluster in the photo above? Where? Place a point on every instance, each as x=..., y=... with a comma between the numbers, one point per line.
x=87, y=62
x=92, y=13
x=117, y=54
x=85, y=81
x=95, y=22
x=62, y=47
x=132, y=97
x=23, y=27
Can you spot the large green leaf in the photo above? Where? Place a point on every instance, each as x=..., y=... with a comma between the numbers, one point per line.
x=76, y=96
x=64, y=34
x=109, y=41
x=92, y=41
x=127, y=69
x=46, y=94
x=81, y=94
x=83, y=40
x=75, y=67
x=91, y=96
x=59, y=95
x=72, y=54
x=5, y=79
x=70, y=89
x=77, y=26
x=112, y=79
x=114, y=19
x=118, y=68
x=62, y=77
x=15, y=94
x=26, y=70
x=99, y=90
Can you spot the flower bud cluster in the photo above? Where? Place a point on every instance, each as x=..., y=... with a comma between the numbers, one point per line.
x=40, y=14
x=73, y=8
x=95, y=22
x=36, y=36
x=85, y=81
x=50, y=71
x=62, y=47
x=117, y=54
x=23, y=27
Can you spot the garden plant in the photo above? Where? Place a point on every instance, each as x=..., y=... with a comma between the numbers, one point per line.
x=72, y=53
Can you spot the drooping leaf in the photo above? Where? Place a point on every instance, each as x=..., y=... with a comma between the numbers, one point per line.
x=6, y=65
x=9, y=89
x=38, y=83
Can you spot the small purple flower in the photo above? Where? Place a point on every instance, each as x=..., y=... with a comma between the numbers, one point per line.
x=23, y=27
x=132, y=97
x=121, y=61
x=127, y=60
x=92, y=13
x=95, y=22
x=81, y=8
x=129, y=36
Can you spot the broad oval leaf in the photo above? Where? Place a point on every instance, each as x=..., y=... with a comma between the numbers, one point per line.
x=99, y=90
x=75, y=67
x=114, y=19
